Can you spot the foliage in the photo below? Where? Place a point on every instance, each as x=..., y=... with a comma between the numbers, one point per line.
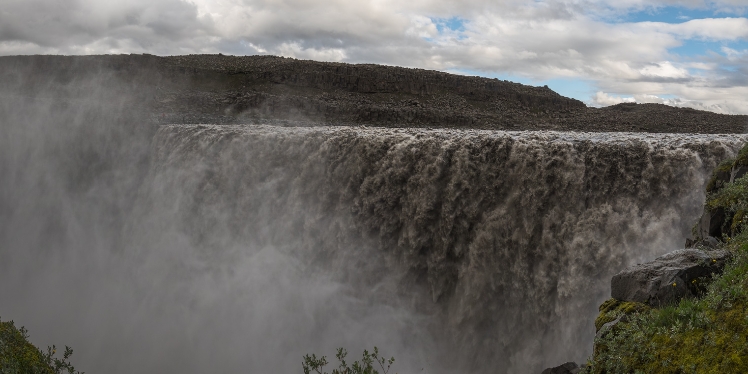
x=733, y=198
x=612, y=308
x=742, y=159
x=19, y=356
x=312, y=364
x=705, y=335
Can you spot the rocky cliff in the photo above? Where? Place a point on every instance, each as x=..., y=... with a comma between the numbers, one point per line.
x=231, y=89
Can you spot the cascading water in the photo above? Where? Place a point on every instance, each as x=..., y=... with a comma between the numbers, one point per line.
x=240, y=248
x=502, y=244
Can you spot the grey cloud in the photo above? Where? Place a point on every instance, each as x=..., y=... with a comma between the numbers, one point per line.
x=74, y=23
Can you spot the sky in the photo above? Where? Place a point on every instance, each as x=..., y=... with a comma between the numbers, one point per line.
x=690, y=53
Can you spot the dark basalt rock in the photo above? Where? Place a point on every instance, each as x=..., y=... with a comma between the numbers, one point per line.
x=668, y=278
x=567, y=368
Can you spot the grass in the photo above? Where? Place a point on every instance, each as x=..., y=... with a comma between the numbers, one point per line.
x=706, y=335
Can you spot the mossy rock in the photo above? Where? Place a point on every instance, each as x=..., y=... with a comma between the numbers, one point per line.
x=720, y=175
x=612, y=308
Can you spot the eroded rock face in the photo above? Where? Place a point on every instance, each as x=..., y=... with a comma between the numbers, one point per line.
x=668, y=278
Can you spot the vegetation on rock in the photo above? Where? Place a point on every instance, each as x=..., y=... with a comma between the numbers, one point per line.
x=720, y=174
x=733, y=198
x=612, y=309
x=19, y=356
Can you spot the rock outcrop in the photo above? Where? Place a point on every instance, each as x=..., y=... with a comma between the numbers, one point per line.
x=668, y=278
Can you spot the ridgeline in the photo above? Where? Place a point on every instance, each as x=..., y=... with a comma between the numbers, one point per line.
x=245, y=89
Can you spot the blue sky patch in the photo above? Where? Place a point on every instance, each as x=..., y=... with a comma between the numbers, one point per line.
x=669, y=14
x=449, y=24
x=574, y=88
x=693, y=47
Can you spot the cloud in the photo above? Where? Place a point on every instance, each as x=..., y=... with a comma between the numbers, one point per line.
x=725, y=106
x=80, y=26
x=541, y=40
x=704, y=29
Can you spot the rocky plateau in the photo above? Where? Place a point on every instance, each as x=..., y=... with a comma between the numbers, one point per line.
x=246, y=89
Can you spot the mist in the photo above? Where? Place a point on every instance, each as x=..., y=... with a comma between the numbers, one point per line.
x=159, y=248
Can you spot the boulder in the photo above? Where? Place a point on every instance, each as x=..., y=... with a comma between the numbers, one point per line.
x=668, y=278
x=708, y=242
x=567, y=368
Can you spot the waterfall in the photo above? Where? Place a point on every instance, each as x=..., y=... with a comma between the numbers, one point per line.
x=199, y=248
x=238, y=249
x=493, y=248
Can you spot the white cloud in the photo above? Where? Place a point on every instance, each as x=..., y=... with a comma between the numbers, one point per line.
x=727, y=105
x=664, y=69
x=540, y=40
x=297, y=51
x=706, y=28
x=604, y=99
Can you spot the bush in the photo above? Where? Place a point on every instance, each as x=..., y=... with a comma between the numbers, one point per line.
x=733, y=198
x=365, y=366
x=19, y=356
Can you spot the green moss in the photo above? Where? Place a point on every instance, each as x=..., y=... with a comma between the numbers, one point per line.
x=612, y=308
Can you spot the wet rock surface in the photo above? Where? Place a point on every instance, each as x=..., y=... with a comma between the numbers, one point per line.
x=247, y=89
x=668, y=278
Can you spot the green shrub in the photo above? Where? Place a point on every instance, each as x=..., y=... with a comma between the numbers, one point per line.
x=19, y=356
x=733, y=198
x=742, y=159
x=365, y=366
x=704, y=335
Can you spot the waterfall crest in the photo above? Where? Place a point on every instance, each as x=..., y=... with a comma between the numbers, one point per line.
x=502, y=243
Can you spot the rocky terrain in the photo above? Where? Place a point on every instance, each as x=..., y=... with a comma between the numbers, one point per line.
x=229, y=89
